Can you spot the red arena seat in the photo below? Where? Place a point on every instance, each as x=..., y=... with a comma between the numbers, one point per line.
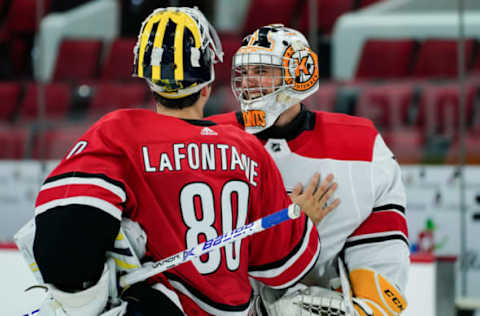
x=109, y=96
x=324, y=99
x=366, y=3
x=10, y=95
x=230, y=44
x=386, y=105
x=437, y=58
x=78, y=59
x=386, y=59
x=328, y=13
x=55, y=143
x=13, y=140
x=406, y=145
x=472, y=149
x=57, y=101
x=118, y=63
x=264, y=12
x=439, y=107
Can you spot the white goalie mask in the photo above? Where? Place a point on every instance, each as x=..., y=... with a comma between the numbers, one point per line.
x=273, y=70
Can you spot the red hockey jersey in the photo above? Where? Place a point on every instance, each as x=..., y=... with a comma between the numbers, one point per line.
x=185, y=182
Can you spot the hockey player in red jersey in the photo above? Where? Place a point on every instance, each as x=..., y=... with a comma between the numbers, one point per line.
x=184, y=180
x=273, y=71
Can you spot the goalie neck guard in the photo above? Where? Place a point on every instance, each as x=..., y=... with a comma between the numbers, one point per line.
x=273, y=70
x=175, y=52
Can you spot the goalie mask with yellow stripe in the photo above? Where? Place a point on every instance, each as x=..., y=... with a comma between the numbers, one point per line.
x=176, y=50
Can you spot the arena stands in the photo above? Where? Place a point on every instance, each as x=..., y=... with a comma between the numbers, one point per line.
x=406, y=85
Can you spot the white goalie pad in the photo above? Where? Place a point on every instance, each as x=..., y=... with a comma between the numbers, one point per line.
x=89, y=302
x=24, y=240
x=305, y=301
x=129, y=247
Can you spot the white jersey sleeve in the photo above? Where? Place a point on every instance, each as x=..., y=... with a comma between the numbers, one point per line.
x=381, y=241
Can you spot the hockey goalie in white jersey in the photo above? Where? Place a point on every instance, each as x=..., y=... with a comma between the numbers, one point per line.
x=273, y=71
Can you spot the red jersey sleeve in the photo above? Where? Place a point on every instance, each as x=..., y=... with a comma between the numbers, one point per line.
x=92, y=173
x=282, y=255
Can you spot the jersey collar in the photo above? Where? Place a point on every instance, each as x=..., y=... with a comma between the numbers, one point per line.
x=199, y=122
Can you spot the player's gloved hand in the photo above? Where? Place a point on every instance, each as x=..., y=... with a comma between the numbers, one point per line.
x=302, y=301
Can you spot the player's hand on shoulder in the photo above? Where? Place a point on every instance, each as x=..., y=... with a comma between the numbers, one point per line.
x=314, y=198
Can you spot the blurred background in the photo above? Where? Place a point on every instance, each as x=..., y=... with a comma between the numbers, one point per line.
x=411, y=66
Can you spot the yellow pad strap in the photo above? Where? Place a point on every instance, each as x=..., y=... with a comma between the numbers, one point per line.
x=369, y=285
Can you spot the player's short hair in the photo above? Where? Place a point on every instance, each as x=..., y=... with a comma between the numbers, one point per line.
x=179, y=103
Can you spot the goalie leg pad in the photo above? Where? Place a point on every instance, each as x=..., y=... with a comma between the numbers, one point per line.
x=24, y=239
x=129, y=247
x=89, y=302
x=377, y=292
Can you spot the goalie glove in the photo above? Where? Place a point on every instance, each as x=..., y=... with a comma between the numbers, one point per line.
x=304, y=301
x=313, y=300
x=375, y=295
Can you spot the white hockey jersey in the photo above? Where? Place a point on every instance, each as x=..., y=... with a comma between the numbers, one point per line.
x=369, y=226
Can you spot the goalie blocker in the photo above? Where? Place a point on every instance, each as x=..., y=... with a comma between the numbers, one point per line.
x=377, y=292
x=373, y=295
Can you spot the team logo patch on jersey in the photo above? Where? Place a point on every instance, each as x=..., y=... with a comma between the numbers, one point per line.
x=301, y=68
x=254, y=118
x=208, y=131
x=275, y=147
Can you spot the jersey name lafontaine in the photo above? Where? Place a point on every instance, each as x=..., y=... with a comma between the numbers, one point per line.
x=200, y=157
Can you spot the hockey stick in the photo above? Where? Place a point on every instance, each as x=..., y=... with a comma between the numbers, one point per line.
x=151, y=268
x=347, y=294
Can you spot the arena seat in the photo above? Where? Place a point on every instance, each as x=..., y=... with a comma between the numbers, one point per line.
x=366, y=3
x=406, y=144
x=230, y=44
x=109, y=96
x=10, y=95
x=118, y=63
x=78, y=59
x=324, y=99
x=55, y=143
x=226, y=100
x=22, y=15
x=476, y=64
x=472, y=149
x=13, y=140
x=386, y=105
x=57, y=101
x=264, y=12
x=328, y=13
x=386, y=59
x=437, y=58
x=438, y=109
